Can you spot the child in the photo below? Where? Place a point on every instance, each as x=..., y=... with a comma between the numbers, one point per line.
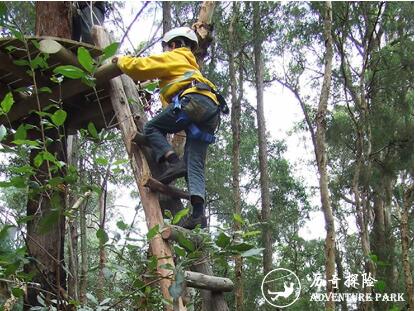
x=190, y=103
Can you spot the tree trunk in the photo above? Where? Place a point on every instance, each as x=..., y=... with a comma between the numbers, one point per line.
x=166, y=6
x=203, y=28
x=262, y=142
x=321, y=155
x=340, y=274
x=73, y=264
x=84, y=255
x=102, y=254
x=404, y=229
x=52, y=19
x=236, y=137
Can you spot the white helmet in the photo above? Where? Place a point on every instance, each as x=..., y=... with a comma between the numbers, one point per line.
x=185, y=32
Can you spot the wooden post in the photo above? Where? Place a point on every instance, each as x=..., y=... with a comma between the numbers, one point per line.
x=211, y=300
x=159, y=247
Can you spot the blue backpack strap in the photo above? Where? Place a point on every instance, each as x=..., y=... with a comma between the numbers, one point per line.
x=194, y=132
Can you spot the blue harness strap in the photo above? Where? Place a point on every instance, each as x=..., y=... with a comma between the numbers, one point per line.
x=193, y=131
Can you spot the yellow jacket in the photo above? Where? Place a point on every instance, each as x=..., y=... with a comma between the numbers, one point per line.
x=175, y=69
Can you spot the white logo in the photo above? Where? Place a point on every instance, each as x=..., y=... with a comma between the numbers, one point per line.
x=281, y=288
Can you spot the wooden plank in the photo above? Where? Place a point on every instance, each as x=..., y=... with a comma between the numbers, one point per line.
x=209, y=282
x=7, y=64
x=159, y=247
x=68, y=89
x=67, y=43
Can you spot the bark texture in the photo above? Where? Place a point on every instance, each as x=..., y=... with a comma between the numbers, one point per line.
x=236, y=137
x=262, y=142
x=46, y=245
x=404, y=228
x=321, y=155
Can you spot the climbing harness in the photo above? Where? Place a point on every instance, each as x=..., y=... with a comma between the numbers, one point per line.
x=182, y=113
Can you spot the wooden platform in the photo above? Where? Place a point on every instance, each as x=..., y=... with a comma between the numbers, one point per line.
x=81, y=103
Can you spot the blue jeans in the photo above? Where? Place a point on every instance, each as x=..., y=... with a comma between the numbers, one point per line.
x=195, y=150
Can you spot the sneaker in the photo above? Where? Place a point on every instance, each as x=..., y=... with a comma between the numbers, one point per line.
x=191, y=223
x=173, y=171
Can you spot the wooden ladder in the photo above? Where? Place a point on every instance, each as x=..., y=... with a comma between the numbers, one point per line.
x=212, y=287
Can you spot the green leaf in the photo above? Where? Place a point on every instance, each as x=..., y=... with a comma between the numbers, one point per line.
x=238, y=219
x=223, y=240
x=152, y=232
x=168, y=214
x=85, y=59
x=92, y=130
x=21, y=133
x=151, y=87
x=180, y=215
x=33, y=143
x=179, y=251
x=374, y=258
x=3, y=132
x=152, y=263
x=242, y=247
x=251, y=233
x=252, y=252
x=38, y=62
x=101, y=161
x=55, y=181
x=35, y=44
x=4, y=232
x=122, y=225
x=59, y=117
x=7, y=102
x=121, y=161
x=167, y=266
x=89, y=81
x=17, y=34
x=110, y=50
x=44, y=89
x=18, y=292
x=186, y=243
x=25, y=169
x=380, y=286
x=69, y=71
x=102, y=236
x=21, y=62
x=38, y=160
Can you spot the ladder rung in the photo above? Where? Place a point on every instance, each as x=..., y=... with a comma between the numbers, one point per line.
x=173, y=233
x=209, y=282
x=171, y=191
